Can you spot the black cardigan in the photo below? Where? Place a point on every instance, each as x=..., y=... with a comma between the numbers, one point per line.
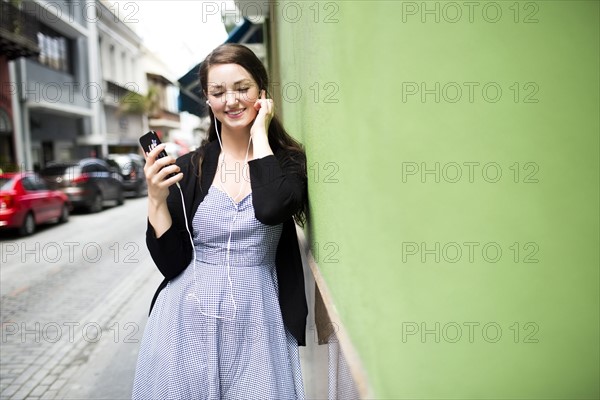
x=278, y=191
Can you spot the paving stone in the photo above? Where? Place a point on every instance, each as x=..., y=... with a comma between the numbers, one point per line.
x=49, y=380
x=21, y=394
x=50, y=394
x=9, y=391
x=58, y=384
x=49, y=304
x=39, y=390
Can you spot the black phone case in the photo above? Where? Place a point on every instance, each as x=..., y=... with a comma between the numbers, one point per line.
x=149, y=141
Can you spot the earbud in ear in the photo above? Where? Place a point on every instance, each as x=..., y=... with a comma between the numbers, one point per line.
x=208, y=102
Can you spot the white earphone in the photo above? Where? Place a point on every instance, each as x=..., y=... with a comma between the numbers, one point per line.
x=192, y=295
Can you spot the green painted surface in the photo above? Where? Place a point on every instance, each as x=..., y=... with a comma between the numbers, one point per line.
x=376, y=218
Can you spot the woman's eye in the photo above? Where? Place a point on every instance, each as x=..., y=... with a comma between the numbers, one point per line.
x=243, y=89
x=217, y=94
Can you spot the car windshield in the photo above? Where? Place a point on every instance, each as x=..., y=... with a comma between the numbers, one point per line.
x=61, y=170
x=55, y=170
x=5, y=183
x=121, y=160
x=125, y=163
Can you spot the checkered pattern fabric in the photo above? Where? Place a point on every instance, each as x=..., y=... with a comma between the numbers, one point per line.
x=188, y=353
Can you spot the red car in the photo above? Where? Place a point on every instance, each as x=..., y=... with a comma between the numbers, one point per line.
x=26, y=201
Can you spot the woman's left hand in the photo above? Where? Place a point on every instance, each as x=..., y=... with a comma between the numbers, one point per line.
x=266, y=110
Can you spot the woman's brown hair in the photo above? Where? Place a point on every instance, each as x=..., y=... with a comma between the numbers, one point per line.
x=279, y=139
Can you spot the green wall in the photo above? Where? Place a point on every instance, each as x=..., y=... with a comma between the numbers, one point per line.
x=376, y=218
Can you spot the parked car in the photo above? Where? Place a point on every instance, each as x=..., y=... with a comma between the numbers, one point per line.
x=131, y=168
x=88, y=183
x=26, y=201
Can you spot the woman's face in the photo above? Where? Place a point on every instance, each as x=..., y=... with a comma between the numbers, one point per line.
x=232, y=93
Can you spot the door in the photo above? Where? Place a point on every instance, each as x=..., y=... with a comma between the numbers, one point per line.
x=33, y=199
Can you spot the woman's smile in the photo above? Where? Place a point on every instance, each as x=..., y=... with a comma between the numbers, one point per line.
x=235, y=114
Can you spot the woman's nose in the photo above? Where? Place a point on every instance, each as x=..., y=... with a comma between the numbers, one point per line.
x=231, y=97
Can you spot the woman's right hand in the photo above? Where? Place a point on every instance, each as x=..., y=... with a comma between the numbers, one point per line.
x=156, y=171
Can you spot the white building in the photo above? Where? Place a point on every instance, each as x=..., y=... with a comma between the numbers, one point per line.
x=164, y=116
x=124, y=86
x=94, y=89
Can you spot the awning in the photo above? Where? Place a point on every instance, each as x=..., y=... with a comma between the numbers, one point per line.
x=246, y=32
x=191, y=98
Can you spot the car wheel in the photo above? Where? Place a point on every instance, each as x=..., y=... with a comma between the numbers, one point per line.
x=142, y=190
x=97, y=203
x=64, y=214
x=121, y=198
x=138, y=191
x=28, y=226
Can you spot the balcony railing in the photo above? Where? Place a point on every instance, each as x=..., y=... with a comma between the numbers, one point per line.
x=18, y=32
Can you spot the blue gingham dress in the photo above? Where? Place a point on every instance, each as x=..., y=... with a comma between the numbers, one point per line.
x=216, y=332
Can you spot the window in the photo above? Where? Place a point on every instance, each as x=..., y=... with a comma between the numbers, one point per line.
x=5, y=123
x=33, y=183
x=124, y=67
x=172, y=96
x=28, y=184
x=111, y=62
x=102, y=168
x=55, y=50
x=89, y=169
x=123, y=124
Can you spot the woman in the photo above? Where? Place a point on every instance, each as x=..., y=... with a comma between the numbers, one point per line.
x=227, y=320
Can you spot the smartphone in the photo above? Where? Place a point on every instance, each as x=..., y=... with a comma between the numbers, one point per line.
x=149, y=141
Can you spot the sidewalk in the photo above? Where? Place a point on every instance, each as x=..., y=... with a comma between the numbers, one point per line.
x=107, y=369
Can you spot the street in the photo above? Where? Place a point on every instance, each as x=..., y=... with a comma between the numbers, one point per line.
x=74, y=301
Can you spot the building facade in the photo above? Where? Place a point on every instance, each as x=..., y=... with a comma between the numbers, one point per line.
x=58, y=92
x=164, y=112
x=84, y=91
x=123, y=115
x=453, y=172
x=419, y=120
x=18, y=32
